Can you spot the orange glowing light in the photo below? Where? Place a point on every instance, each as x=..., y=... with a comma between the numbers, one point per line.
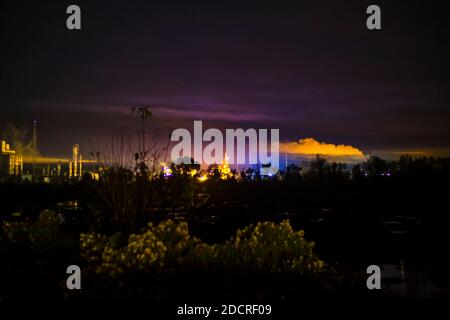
x=50, y=160
x=310, y=146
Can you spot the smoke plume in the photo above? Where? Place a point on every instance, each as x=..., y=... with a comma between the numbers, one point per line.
x=19, y=140
x=309, y=147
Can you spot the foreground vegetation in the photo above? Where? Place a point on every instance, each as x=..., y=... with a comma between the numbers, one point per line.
x=156, y=238
x=118, y=263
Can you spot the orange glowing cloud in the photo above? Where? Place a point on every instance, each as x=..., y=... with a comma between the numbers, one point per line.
x=310, y=147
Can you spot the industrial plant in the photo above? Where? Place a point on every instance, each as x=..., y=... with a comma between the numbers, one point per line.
x=11, y=163
x=14, y=165
x=33, y=167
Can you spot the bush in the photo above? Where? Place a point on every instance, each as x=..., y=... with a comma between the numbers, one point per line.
x=122, y=201
x=270, y=247
x=166, y=247
x=41, y=236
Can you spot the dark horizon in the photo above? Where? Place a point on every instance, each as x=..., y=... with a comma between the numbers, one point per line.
x=311, y=69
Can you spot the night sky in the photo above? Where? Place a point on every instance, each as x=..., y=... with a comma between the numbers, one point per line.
x=309, y=68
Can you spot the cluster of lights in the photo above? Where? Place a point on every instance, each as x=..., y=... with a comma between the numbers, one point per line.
x=167, y=172
x=224, y=170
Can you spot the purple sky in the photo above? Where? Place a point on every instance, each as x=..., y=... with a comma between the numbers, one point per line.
x=309, y=68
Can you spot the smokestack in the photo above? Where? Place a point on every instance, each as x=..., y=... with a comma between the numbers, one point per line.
x=35, y=135
x=34, y=148
x=75, y=153
x=81, y=165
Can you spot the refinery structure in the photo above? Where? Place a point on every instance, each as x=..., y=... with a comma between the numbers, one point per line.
x=31, y=166
x=46, y=169
x=34, y=167
x=76, y=164
x=39, y=168
x=10, y=162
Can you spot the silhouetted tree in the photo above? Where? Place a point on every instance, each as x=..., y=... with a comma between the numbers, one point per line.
x=317, y=169
x=144, y=113
x=293, y=172
x=375, y=166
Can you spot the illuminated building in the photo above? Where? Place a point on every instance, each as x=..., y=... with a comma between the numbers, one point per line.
x=167, y=172
x=75, y=152
x=10, y=162
x=81, y=166
x=224, y=169
x=76, y=164
x=94, y=175
x=36, y=168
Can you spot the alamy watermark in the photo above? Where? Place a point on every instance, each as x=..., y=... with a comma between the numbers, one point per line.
x=235, y=144
x=74, y=280
x=374, y=280
x=73, y=21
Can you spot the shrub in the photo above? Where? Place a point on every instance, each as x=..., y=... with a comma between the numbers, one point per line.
x=163, y=247
x=122, y=201
x=41, y=236
x=168, y=246
x=270, y=247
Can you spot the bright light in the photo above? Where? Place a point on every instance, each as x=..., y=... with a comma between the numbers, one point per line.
x=166, y=170
x=203, y=178
x=224, y=168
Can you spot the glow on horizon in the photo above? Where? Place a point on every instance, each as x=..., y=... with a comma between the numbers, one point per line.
x=311, y=147
x=49, y=160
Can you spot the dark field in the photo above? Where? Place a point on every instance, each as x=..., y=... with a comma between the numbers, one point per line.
x=398, y=222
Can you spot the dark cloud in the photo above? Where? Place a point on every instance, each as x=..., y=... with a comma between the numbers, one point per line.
x=310, y=68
